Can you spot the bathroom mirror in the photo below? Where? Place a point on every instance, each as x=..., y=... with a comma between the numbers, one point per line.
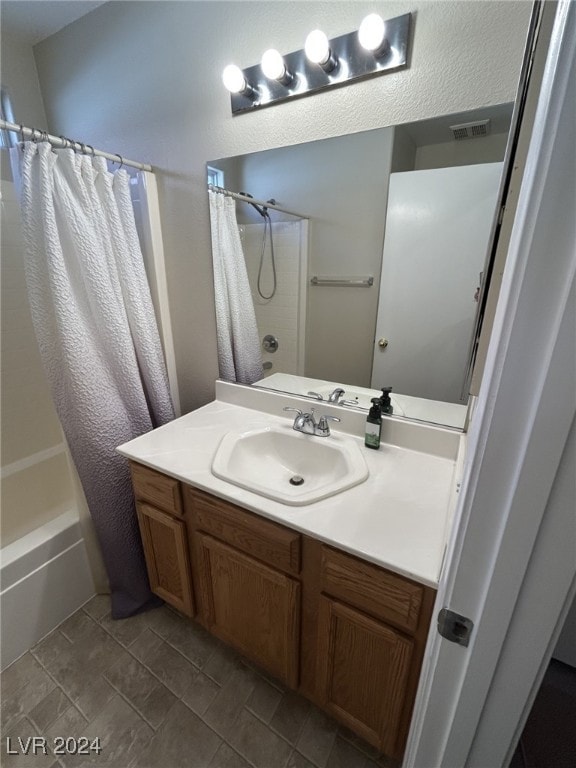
x=375, y=270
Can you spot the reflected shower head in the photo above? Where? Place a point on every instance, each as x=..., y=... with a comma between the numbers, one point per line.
x=261, y=211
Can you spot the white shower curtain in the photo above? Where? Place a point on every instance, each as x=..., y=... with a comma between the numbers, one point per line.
x=239, y=355
x=95, y=325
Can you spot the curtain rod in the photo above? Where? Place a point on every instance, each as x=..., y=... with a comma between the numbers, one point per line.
x=62, y=142
x=246, y=199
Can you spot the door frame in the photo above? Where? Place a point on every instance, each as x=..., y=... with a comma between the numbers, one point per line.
x=509, y=542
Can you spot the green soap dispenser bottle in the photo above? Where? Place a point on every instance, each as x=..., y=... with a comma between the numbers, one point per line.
x=373, y=425
x=385, y=401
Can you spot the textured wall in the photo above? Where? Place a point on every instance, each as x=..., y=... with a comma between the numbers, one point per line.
x=143, y=79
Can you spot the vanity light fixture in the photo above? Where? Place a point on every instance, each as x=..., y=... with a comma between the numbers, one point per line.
x=372, y=35
x=274, y=67
x=235, y=81
x=318, y=51
x=378, y=47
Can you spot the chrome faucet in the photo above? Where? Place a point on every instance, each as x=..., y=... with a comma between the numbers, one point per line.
x=334, y=397
x=307, y=424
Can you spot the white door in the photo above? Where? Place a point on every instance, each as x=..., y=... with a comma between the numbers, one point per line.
x=510, y=565
x=437, y=229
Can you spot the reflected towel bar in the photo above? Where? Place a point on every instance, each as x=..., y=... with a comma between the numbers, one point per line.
x=353, y=282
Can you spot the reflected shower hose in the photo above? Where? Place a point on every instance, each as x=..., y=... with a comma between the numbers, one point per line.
x=267, y=224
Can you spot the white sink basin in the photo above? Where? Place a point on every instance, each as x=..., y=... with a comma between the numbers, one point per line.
x=289, y=467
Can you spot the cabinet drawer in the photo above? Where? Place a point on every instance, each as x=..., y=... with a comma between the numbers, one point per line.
x=372, y=589
x=271, y=543
x=158, y=489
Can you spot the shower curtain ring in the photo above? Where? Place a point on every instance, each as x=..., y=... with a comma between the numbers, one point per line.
x=121, y=160
x=91, y=148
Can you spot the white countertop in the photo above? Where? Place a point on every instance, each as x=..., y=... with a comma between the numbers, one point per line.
x=397, y=518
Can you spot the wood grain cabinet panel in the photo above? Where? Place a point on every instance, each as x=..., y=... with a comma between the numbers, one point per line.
x=372, y=589
x=363, y=668
x=253, y=607
x=272, y=543
x=158, y=489
x=166, y=553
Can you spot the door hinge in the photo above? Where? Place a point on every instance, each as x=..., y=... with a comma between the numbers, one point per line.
x=455, y=627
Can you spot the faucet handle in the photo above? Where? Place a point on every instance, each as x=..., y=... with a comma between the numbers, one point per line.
x=296, y=410
x=316, y=395
x=323, y=428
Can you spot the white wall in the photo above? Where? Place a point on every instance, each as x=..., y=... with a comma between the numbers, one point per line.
x=143, y=79
x=488, y=149
x=342, y=185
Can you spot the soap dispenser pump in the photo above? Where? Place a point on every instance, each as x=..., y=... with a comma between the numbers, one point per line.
x=385, y=401
x=373, y=425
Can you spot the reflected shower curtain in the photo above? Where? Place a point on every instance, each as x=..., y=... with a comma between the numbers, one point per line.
x=239, y=356
x=95, y=325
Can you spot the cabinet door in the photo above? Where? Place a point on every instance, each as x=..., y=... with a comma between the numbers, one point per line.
x=251, y=606
x=363, y=668
x=165, y=550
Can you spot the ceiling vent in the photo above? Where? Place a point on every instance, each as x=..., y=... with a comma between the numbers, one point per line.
x=471, y=130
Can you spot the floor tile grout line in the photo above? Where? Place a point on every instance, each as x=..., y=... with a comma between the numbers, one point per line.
x=293, y=747
x=246, y=663
x=218, y=642
x=274, y=730
x=133, y=706
x=74, y=703
x=51, y=723
x=266, y=725
x=164, y=640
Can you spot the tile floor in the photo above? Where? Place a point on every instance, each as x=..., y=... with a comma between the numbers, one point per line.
x=157, y=690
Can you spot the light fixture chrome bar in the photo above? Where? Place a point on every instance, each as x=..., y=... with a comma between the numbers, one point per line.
x=61, y=142
x=354, y=63
x=246, y=199
x=349, y=282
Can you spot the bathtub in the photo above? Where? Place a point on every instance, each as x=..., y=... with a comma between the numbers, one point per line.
x=44, y=577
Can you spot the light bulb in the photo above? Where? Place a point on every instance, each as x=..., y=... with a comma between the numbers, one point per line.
x=371, y=32
x=234, y=80
x=273, y=65
x=317, y=47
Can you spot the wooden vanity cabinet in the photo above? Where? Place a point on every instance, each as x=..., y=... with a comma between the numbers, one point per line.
x=346, y=633
x=164, y=537
x=372, y=629
x=245, y=574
